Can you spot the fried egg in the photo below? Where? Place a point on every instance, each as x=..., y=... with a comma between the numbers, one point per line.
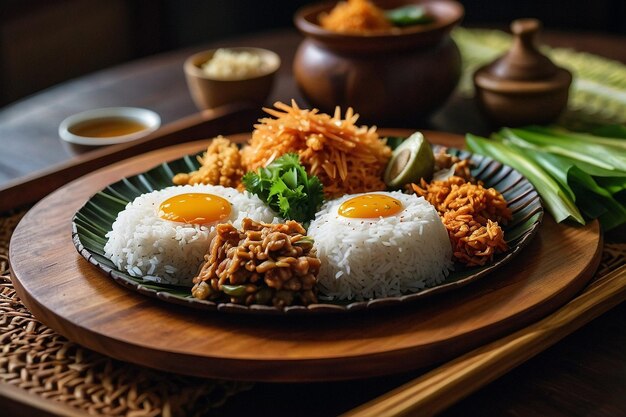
x=163, y=236
x=379, y=244
x=195, y=208
x=370, y=206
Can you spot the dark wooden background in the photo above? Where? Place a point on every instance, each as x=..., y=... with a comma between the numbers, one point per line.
x=44, y=42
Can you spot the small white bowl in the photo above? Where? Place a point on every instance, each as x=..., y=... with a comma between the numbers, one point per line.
x=149, y=119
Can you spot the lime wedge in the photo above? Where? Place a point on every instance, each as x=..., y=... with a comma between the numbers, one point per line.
x=410, y=161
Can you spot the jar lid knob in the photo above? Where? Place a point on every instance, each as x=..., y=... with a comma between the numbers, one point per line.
x=526, y=30
x=524, y=61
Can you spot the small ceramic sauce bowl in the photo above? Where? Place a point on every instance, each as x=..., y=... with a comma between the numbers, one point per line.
x=208, y=92
x=108, y=126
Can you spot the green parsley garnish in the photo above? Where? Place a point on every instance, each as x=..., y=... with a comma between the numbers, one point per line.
x=285, y=186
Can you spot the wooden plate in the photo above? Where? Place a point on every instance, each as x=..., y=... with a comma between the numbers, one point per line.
x=74, y=298
x=95, y=219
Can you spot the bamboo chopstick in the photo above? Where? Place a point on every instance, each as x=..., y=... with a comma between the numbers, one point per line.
x=440, y=388
x=228, y=119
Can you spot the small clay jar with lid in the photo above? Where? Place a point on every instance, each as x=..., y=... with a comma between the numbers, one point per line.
x=523, y=86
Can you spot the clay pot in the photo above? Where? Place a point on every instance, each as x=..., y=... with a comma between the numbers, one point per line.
x=523, y=86
x=396, y=77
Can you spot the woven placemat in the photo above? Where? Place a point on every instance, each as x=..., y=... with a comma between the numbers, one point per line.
x=42, y=362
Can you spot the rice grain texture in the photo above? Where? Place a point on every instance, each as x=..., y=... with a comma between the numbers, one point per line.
x=384, y=257
x=144, y=245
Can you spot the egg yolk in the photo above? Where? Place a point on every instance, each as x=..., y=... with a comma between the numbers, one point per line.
x=370, y=206
x=196, y=208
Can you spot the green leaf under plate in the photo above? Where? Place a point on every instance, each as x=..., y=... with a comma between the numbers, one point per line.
x=94, y=220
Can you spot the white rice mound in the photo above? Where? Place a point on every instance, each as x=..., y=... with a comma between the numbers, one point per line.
x=144, y=245
x=385, y=257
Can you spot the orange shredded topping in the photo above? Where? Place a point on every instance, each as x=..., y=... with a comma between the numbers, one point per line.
x=347, y=159
x=355, y=16
x=471, y=214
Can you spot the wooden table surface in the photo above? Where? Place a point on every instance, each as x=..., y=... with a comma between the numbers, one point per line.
x=583, y=375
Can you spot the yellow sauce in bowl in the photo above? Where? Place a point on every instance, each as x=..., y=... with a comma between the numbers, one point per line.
x=107, y=127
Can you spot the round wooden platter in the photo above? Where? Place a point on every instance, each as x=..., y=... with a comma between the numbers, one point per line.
x=75, y=298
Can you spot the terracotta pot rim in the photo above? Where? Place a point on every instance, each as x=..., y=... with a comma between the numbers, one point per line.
x=305, y=20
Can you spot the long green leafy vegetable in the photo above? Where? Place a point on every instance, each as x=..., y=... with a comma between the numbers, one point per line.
x=287, y=188
x=578, y=175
